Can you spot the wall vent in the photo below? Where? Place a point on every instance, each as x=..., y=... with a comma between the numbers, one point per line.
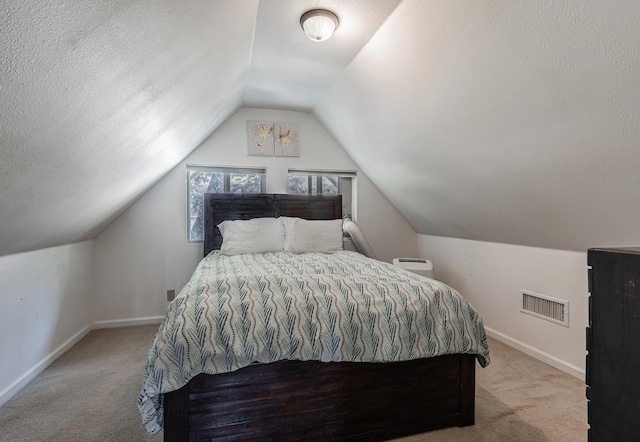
x=545, y=307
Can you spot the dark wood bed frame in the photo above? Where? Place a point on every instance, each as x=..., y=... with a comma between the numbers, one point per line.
x=308, y=400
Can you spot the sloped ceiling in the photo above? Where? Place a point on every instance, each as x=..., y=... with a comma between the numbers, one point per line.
x=100, y=99
x=506, y=121
x=513, y=122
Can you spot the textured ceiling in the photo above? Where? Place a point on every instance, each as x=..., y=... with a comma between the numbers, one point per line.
x=504, y=121
x=101, y=99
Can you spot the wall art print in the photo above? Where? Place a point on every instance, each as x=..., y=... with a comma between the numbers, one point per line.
x=286, y=139
x=260, y=138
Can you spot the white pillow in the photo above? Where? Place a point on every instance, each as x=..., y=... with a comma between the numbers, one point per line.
x=303, y=236
x=258, y=235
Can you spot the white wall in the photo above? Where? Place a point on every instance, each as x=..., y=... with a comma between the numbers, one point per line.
x=143, y=253
x=46, y=296
x=491, y=275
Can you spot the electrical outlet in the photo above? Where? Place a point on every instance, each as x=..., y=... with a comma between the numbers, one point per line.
x=171, y=295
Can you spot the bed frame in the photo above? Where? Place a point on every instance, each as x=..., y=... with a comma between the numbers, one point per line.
x=308, y=400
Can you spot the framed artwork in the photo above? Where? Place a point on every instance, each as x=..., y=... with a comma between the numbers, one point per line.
x=260, y=138
x=286, y=139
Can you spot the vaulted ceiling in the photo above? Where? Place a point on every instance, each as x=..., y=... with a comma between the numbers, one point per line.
x=513, y=122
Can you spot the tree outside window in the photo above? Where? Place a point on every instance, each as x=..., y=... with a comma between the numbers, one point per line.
x=201, y=180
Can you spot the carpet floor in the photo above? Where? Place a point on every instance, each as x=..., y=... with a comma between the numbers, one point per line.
x=90, y=394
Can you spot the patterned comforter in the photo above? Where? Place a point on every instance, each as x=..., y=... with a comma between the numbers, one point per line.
x=238, y=310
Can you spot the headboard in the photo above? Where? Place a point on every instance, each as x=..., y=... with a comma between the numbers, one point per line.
x=220, y=207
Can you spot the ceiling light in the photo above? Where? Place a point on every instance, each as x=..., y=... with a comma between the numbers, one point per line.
x=319, y=24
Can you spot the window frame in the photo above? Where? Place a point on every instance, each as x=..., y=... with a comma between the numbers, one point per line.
x=227, y=171
x=318, y=174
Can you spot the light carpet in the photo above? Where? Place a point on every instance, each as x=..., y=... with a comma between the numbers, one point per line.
x=90, y=393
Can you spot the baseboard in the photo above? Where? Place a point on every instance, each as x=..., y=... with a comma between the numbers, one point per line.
x=19, y=384
x=538, y=354
x=127, y=322
x=30, y=375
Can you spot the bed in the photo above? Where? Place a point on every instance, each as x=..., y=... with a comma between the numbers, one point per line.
x=275, y=396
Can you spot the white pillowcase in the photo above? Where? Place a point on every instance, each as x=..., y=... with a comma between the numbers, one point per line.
x=303, y=236
x=258, y=235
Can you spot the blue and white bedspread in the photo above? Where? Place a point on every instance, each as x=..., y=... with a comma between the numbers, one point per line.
x=237, y=310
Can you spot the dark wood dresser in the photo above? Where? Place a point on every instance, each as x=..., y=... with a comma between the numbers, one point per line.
x=613, y=345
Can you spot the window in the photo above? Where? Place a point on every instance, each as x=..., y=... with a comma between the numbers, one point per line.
x=310, y=182
x=202, y=179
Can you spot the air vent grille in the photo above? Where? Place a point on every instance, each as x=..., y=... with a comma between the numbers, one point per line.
x=545, y=307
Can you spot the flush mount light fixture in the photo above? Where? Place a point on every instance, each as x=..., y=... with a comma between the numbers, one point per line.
x=319, y=24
